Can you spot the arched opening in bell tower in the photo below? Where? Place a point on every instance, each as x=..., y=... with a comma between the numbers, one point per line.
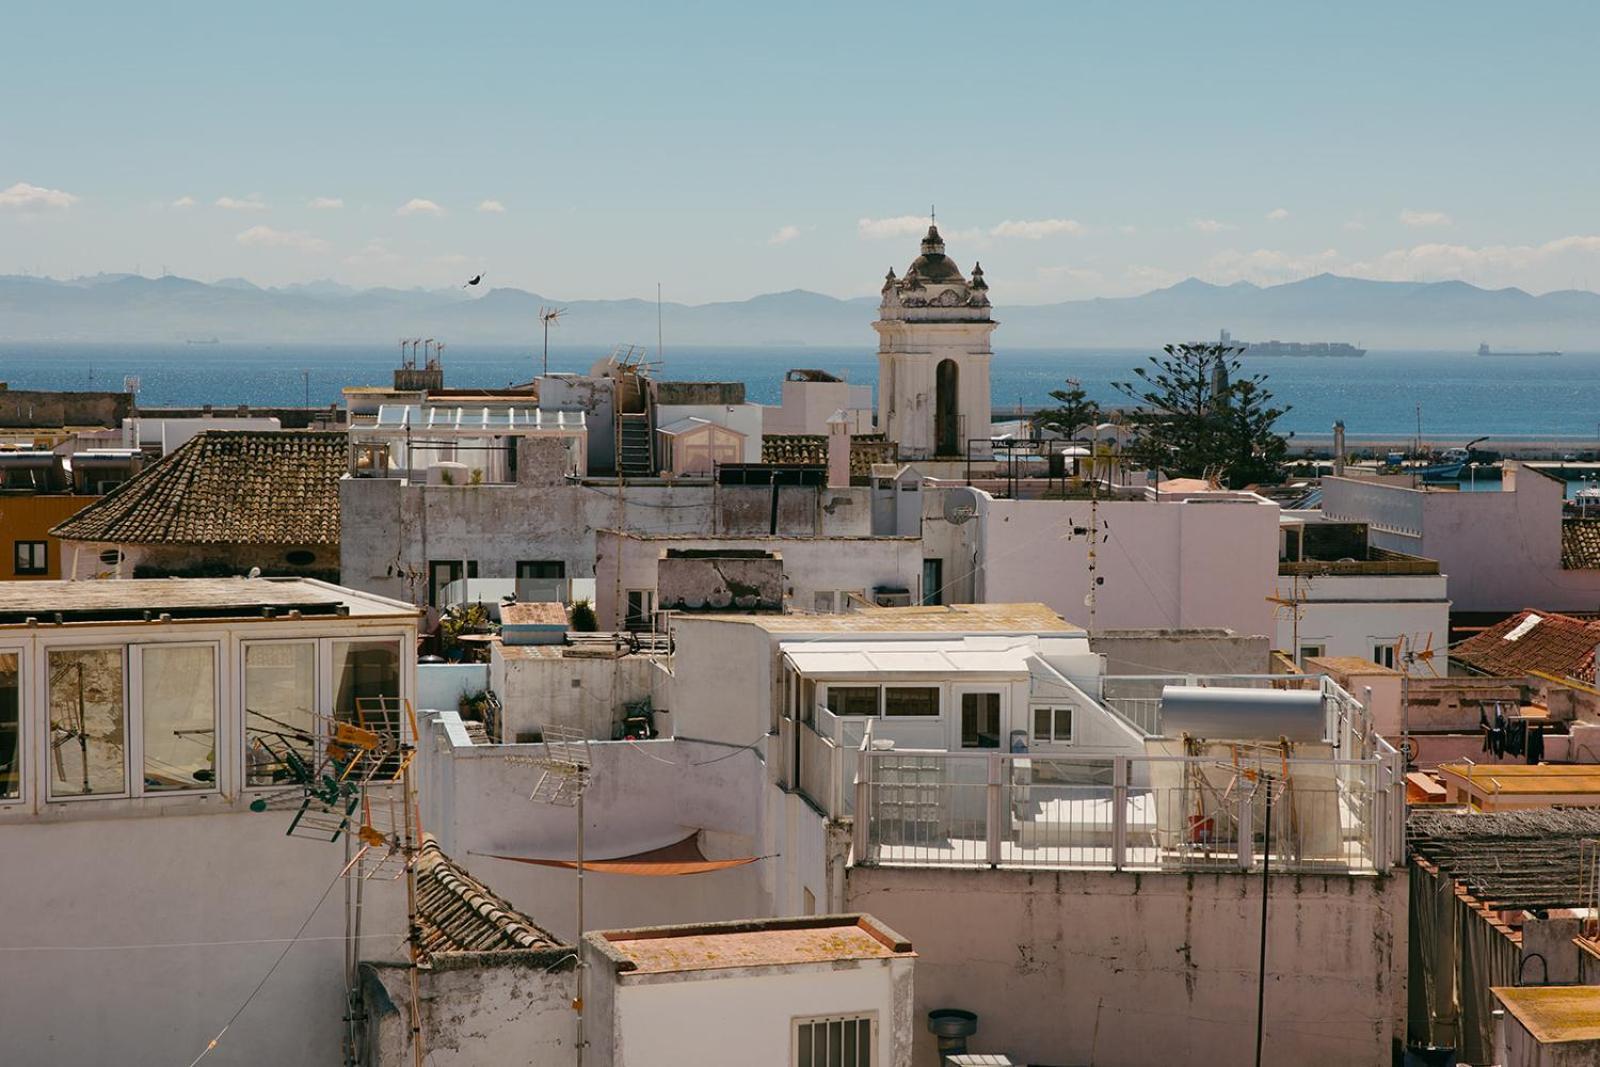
x=946, y=417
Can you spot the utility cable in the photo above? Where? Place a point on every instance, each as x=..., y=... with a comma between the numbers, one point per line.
x=276, y=963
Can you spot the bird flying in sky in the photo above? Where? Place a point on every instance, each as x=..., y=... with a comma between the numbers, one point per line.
x=473, y=281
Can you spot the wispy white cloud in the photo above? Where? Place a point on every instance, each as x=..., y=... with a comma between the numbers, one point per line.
x=1554, y=264
x=784, y=235
x=252, y=202
x=325, y=203
x=1277, y=214
x=1151, y=277
x=418, y=206
x=1081, y=275
x=267, y=237
x=375, y=251
x=183, y=202
x=1127, y=229
x=1419, y=219
x=25, y=197
x=1209, y=225
x=492, y=207
x=899, y=226
x=1036, y=229
x=1266, y=266
x=1354, y=226
x=450, y=259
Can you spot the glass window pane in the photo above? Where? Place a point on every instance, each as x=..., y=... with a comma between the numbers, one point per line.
x=806, y=1058
x=901, y=700
x=835, y=1041
x=851, y=1026
x=1041, y=724
x=178, y=709
x=280, y=695
x=1063, y=724
x=864, y=1043
x=10, y=727
x=363, y=670
x=88, y=731
x=980, y=720
x=856, y=700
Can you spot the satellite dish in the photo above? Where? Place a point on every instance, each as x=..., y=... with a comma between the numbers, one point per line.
x=960, y=505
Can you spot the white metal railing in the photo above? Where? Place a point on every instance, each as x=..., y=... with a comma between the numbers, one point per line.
x=993, y=809
x=1137, y=699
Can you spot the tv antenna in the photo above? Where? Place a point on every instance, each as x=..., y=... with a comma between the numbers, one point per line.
x=565, y=771
x=547, y=316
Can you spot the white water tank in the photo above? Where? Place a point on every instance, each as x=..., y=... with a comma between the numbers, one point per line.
x=1227, y=713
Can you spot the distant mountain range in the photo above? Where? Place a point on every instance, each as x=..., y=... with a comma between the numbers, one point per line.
x=1373, y=314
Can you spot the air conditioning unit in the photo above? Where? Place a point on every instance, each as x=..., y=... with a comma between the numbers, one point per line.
x=891, y=597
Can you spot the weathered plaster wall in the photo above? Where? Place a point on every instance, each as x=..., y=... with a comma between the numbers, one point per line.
x=501, y=1008
x=1126, y=970
x=390, y=529
x=808, y=565
x=1182, y=652
x=586, y=692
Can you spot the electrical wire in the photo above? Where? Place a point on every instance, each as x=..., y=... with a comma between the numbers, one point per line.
x=212, y=1044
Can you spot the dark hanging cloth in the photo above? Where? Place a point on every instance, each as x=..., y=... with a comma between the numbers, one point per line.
x=1536, y=744
x=1488, y=731
x=1496, y=740
x=1516, y=737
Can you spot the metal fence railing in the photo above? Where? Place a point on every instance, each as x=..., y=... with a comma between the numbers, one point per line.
x=924, y=808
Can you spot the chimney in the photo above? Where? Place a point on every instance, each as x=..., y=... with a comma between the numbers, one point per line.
x=838, y=451
x=951, y=1027
x=1338, y=449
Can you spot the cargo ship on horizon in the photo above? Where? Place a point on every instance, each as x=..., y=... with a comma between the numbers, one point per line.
x=1485, y=350
x=1319, y=349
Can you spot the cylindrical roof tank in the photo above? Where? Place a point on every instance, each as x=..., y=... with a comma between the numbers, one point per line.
x=1223, y=713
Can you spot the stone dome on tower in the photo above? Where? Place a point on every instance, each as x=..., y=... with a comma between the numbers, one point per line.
x=933, y=288
x=933, y=265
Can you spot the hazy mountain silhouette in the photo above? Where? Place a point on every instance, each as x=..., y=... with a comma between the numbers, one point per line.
x=1375, y=314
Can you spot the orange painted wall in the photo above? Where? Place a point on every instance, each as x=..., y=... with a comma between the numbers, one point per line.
x=27, y=518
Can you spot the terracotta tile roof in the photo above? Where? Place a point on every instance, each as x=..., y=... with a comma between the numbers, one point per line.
x=1533, y=641
x=458, y=913
x=273, y=487
x=794, y=448
x=1580, y=544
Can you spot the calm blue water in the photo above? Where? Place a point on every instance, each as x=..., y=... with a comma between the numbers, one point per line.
x=1461, y=395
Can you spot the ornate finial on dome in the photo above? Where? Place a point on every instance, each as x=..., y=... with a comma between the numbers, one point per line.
x=888, y=280
x=977, y=277
x=933, y=244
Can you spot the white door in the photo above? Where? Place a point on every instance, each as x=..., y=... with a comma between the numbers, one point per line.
x=978, y=717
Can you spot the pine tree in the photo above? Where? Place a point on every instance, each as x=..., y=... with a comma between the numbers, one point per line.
x=1075, y=413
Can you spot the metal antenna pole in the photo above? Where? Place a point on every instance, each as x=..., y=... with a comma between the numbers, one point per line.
x=1266, y=866
x=578, y=1003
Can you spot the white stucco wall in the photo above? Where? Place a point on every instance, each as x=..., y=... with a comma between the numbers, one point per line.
x=1349, y=615
x=133, y=940
x=807, y=406
x=1190, y=563
x=1127, y=970
x=643, y=795
x=746, y=1016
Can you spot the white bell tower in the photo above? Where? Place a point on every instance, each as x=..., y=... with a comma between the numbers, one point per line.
x=933, y=357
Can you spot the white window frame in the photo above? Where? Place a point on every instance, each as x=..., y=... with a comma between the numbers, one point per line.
x=795, y=1024
x=647, y=601
x=127, y=724
x=1054, y=738
x=322, y=660
x=24, y=722
x=1383, y=654
x=1003, y=722
x=882, y=688
x=134, y=689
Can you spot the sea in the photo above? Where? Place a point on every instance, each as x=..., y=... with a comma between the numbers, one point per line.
x=1458, y=395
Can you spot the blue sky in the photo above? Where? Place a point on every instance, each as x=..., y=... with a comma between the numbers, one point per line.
x=728, y=150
